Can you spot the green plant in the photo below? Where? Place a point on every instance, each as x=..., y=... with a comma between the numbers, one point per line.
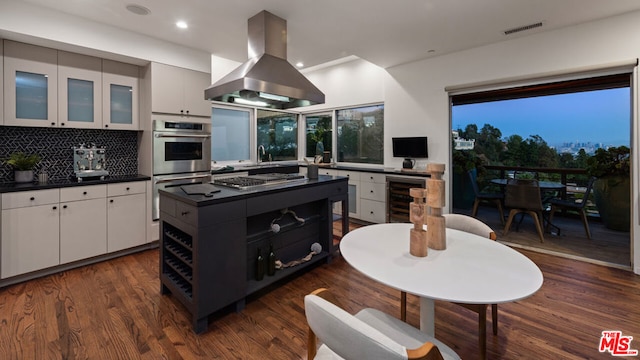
x=21, y=161
x=609, y=162
x=465, y=160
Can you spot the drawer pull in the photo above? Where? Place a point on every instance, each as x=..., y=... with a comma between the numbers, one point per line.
x=55, y=207
x=111, y=201
x=32, y=198
x=371, y=191
x=84, y=193
x=64, y=206
x=127, y=188
x=371, y=213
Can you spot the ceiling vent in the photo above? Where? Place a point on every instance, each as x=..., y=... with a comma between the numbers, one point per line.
x=267, y=79
x=523, y=28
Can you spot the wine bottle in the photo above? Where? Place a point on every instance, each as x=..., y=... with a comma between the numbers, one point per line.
x=259, y=266
x=271, y=267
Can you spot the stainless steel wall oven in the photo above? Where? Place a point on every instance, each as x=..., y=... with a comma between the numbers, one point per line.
x=181, y=155
x=180, y=147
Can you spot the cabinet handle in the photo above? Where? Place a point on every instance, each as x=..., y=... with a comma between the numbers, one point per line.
x=32, y=198
x=53, y=124
x=84, y=193
x=127, y=188
x=64, y=206
x=106, y=125
x=371, y=191
x=184, y=213
x=187, y=112
x=61, y=124
x=111, y=201
x=181, y=111
x=372, y=213
x=55, y=207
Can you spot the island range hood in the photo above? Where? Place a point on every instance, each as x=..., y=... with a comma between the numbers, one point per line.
x=267, y=79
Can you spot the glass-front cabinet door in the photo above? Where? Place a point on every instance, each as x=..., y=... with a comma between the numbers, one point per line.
x=30, y=85
x=120, y=96
x=79, y=91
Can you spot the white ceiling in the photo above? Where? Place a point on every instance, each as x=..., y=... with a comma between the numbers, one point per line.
x=384, y=32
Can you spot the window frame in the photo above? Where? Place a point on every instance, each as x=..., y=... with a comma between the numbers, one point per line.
x=252, y=134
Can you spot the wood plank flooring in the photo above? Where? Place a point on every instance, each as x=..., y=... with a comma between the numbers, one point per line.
x=114, y=310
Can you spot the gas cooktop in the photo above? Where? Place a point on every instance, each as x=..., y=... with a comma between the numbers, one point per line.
x=258, y=181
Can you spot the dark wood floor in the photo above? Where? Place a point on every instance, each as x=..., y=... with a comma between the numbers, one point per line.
x=114, y=310
x=606, y=246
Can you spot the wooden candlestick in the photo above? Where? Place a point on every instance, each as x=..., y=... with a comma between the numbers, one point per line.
x=436, y=226
x=417, y=235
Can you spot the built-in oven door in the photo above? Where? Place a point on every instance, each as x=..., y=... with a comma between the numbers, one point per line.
x=164, y=181
x=181, y=152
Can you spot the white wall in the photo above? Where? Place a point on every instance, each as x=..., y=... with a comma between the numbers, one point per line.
x=21, y=21
x=415, y=97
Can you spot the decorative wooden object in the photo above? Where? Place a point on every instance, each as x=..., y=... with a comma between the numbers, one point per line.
x=436, y=227
x=417, y=212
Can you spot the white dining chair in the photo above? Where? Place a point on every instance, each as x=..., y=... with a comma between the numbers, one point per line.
x=370, y=334
x=474, y=226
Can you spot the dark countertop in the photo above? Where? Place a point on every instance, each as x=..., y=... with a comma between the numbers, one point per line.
x=227, y=194
x=13, y=187
x=287, y=168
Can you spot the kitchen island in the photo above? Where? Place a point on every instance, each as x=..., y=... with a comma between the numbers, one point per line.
x=209, y=242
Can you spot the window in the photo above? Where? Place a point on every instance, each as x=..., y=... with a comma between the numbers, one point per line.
x=319, y=134
x=361, y=134
x=230, y=134
x=278, y=133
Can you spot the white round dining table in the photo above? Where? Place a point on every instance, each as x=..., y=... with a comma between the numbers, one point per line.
x=472, y=269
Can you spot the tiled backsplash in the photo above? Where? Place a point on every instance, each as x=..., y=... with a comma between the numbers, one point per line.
x=55, y=148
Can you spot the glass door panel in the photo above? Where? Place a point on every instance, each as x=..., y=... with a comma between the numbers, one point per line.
x=121, y=104
x=80, y=100
x=31, y=96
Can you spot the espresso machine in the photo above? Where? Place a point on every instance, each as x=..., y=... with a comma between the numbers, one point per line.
x=89, y=162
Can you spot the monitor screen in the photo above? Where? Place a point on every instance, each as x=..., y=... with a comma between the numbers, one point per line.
x=410, y=147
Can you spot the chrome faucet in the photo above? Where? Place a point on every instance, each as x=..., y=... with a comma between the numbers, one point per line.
x=261, y=153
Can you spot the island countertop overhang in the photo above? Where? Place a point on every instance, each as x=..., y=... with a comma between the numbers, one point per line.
x=229, y=194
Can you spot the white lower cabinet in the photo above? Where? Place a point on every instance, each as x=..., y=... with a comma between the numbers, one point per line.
x=126, y=217
x=83, y=229
x=31, y=241
x=45, y=228
x=373, y=194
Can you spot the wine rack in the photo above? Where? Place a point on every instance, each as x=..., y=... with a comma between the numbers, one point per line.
x=398, y=198
x=178, y=259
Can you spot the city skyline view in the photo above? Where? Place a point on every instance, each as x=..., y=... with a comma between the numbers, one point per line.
x=596, y=118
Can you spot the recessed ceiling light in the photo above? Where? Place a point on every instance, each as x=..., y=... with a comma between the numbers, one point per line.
x=299, y=64
x=138, y=10
x=182, y=24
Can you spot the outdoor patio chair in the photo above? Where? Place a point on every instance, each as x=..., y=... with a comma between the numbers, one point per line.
x=496, y=198
x=523, y=196
x=370, y=334
x=579, y=206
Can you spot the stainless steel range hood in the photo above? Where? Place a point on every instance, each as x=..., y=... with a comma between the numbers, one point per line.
x=266, y=79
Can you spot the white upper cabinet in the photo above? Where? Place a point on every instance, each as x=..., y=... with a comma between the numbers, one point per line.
x=175, y=90
x=79, y=91
x=120, y=94
x=1, y=83
x=30, y=85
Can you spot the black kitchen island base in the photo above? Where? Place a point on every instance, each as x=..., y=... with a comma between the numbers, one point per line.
x=209, y=246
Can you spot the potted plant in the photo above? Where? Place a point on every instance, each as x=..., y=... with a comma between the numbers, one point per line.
x=23, y=165
x=612, y=188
